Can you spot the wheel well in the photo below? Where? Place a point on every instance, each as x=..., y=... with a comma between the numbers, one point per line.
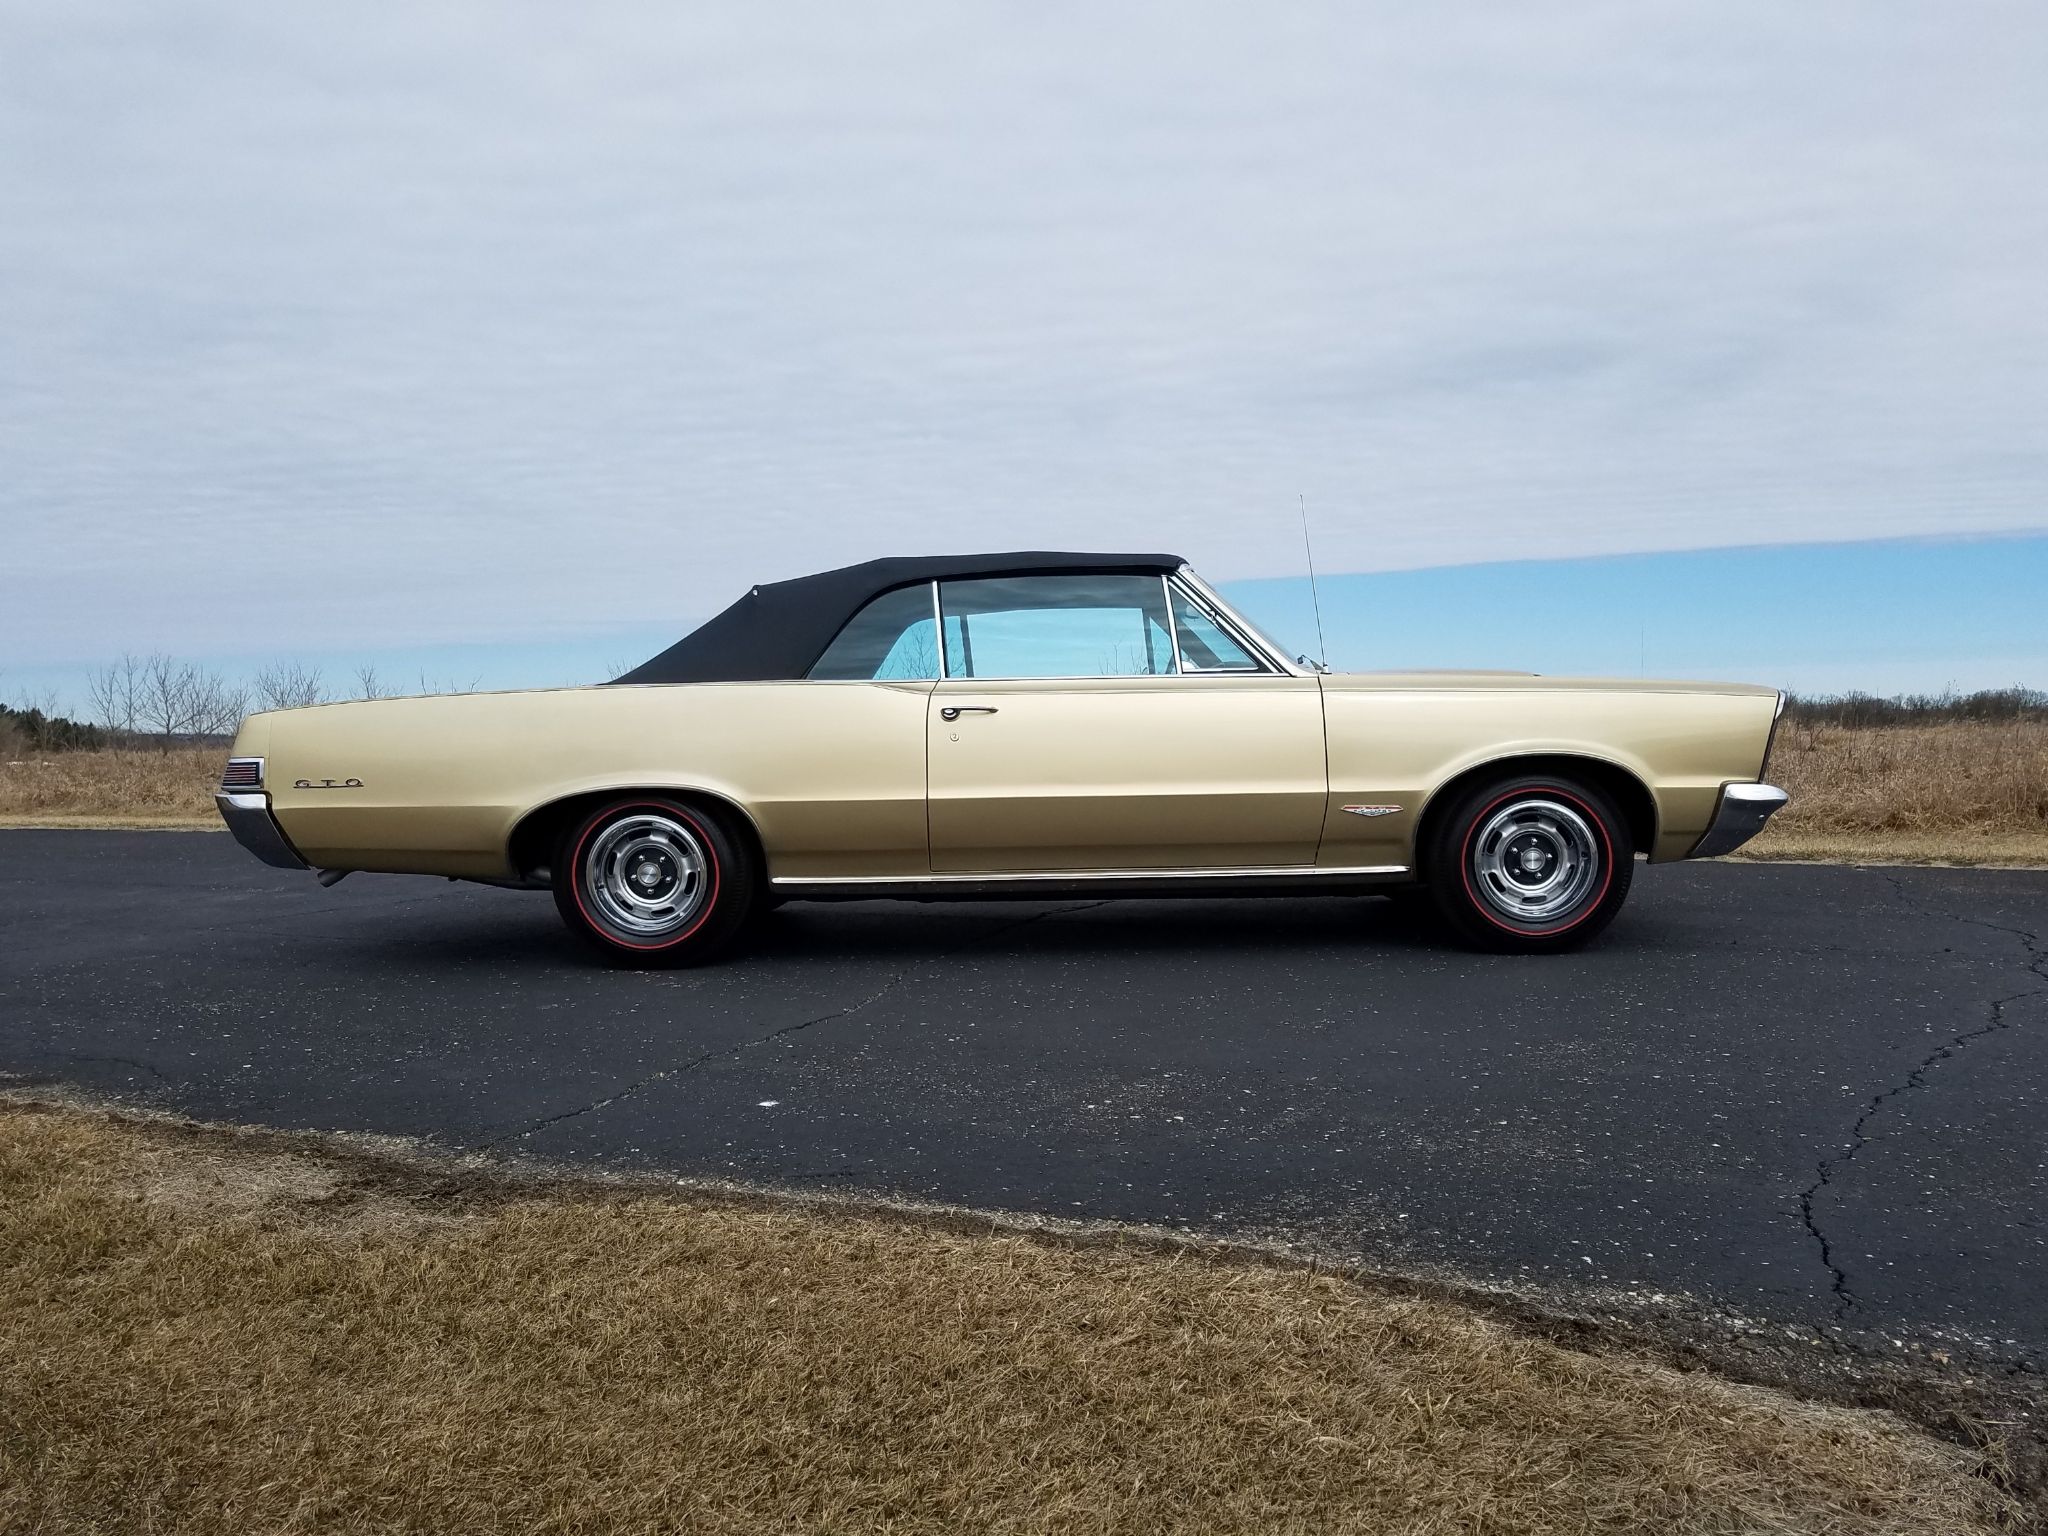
x=532, y=844
x=1630, y=794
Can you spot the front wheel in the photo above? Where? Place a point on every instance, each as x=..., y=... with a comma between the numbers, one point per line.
x=1530, y=865
x=650, y=881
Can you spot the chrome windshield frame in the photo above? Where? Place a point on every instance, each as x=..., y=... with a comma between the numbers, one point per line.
x=1237, y=626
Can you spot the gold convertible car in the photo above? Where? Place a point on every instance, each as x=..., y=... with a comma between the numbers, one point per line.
x=1017, y=725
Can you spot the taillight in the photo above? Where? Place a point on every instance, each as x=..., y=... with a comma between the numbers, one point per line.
x=243, y=773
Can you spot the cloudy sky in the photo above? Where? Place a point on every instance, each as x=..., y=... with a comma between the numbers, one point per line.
x=330, y=330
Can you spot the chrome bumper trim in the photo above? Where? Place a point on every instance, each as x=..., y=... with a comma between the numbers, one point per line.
x=1743, y=810
x=248, y=817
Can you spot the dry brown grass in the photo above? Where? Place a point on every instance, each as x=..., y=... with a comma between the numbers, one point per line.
x=1959, y=792
x=109, y=789
x=198, y=1334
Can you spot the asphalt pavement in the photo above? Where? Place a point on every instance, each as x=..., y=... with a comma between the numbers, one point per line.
x=1812, y=1096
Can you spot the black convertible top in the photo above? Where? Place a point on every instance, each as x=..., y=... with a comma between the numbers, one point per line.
x=779, y=630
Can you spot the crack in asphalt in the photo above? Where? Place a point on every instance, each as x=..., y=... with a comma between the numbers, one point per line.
x=1994, y=1021
x=684, y=1068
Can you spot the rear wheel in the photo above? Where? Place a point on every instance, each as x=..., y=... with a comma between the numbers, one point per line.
x=1530, y=865
x=650, y=881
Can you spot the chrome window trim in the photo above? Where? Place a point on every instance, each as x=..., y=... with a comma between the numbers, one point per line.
x=1198, y=593
x=1105, y=677
x=1064, y=677
x=1180, y=665
x=1235, y=625
x=1261, y=663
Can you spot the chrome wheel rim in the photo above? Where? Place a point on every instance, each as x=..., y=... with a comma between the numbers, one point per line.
x=647, y=874
x=1535, y=861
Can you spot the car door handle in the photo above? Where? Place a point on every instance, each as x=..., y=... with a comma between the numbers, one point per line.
x=955, y=711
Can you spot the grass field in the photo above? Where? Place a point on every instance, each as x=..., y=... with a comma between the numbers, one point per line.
x=1959, y=792
x=205, y=1331
x=108, y=789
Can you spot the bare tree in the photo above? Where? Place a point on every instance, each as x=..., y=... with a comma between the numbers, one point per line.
x=164, y=698
x=369, y=685
x=114, y=695
x=288, y=685
x=177, y=699
x=49, y=704
x=215, y=707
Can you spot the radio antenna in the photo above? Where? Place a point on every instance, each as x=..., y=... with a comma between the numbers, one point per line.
x=1315, y=594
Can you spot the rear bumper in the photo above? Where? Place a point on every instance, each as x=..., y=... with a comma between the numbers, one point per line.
x=247, y=814
x=1740, y=815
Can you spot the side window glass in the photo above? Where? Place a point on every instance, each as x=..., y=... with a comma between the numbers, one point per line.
x=1056, y=626
x=892, y=639
x=1205, y=646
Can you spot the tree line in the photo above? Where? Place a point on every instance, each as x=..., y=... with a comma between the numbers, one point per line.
x=1987, y=706
x=37, y=729
x=160, y=701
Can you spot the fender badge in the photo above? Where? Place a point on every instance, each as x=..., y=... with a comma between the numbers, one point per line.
x=1370, y=810
x=328, y=784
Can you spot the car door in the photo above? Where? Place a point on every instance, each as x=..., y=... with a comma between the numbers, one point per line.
x=1072, y=729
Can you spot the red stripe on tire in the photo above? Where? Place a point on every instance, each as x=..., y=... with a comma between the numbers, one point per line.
x=576, y=867
x=1480, y=906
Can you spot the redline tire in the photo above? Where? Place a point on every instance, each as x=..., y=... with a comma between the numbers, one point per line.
x=1532, y=864
x=648, y=880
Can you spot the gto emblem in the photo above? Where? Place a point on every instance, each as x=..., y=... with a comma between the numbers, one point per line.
x=328, y=784
x=1370, y=810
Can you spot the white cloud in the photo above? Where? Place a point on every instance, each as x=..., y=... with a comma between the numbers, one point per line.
x=452, y=322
